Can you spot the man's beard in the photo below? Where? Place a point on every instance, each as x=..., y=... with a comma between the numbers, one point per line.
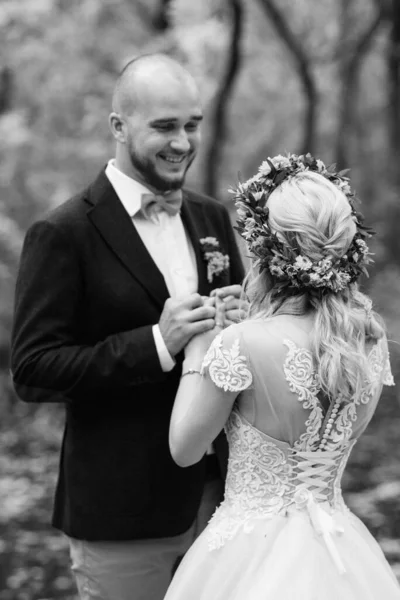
x=150, y=175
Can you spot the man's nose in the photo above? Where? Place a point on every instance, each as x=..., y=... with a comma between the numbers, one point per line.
x=181, y=142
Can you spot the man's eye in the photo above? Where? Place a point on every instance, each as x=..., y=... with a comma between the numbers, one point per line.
x=166, y=127
x=191, y=126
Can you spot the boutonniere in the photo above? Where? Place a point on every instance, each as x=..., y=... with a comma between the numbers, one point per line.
x=217, y=262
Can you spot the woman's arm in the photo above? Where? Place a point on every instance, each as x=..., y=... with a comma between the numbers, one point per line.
x=200, y=412
x=206, y=396
x=201, y=408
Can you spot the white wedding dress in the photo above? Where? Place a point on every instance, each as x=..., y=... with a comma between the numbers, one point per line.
x=283, y=531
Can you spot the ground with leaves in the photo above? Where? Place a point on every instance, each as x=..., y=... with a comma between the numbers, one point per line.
x=34, y=562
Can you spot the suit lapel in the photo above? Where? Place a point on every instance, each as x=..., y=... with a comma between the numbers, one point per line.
x=115, y=226
x=193, y=220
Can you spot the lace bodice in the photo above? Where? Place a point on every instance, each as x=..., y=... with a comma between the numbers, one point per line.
x=268, y=476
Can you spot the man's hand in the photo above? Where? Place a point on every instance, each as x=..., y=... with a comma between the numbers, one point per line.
x=182, y=319
x=197, y=347
x=236, y=307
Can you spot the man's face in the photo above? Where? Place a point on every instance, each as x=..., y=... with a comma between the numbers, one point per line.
x=163, y=136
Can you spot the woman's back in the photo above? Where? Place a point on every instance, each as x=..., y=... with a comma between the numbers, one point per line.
x=285, y=400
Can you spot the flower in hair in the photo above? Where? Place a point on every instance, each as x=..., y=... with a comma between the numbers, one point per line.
x=285, y=262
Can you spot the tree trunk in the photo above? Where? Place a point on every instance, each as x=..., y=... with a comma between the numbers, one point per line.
x=6, y=85
x=393, y=65
x=218, y=119
x=350, y=64
x=304, y=71
x=161, y=21
x=392, y=216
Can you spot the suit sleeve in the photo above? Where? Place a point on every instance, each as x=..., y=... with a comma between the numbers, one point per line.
x=47, y=362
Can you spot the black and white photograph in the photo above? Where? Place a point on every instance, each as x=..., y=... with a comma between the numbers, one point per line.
x=199, y=300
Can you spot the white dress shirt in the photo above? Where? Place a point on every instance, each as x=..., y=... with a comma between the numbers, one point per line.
x=167, y=243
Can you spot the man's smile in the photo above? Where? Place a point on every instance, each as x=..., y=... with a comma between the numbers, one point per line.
x=173, y=158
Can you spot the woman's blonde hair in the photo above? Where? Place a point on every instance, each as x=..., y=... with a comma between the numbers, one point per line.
x=310, y=214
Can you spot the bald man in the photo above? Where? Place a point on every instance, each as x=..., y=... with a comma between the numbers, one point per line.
x=111, y=287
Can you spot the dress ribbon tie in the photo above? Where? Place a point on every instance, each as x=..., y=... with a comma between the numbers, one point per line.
x=315, y=473
x=324, y=524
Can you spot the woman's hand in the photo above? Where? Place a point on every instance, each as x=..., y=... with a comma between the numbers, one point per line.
x=197, y=347
x=236, y=305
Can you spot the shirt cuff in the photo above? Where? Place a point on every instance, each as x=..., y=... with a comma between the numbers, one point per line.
x=166, y=361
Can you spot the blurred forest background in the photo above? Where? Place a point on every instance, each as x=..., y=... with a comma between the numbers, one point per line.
x=276, y=76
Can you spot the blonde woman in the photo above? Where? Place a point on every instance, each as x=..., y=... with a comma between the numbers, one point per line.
x=294, y=385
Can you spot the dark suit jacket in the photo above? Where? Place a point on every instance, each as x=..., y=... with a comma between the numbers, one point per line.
x=87, y=296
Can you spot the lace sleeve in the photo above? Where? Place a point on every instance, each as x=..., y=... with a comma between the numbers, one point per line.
x=227, y=368
x=387, y=377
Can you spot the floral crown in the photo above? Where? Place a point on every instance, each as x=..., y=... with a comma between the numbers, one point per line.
x=284, y=262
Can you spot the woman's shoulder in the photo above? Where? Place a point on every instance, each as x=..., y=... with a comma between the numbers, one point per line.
x=275, y=327
x=246, y=327
x=267, y=332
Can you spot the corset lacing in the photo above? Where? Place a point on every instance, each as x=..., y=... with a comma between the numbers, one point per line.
x=313, y=483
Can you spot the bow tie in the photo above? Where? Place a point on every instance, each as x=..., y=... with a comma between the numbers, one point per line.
x=171, y=202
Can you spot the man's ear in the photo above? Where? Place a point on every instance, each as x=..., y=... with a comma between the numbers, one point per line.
x=117, y=126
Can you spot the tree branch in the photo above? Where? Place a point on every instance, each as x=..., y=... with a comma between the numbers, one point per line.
x=393, y=68
x=161, y=20
x=350, y=69
x=302, y=64
x=6, y=88
x=218, y=119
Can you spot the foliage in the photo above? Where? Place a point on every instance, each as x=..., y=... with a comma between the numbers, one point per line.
x=33, y=558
